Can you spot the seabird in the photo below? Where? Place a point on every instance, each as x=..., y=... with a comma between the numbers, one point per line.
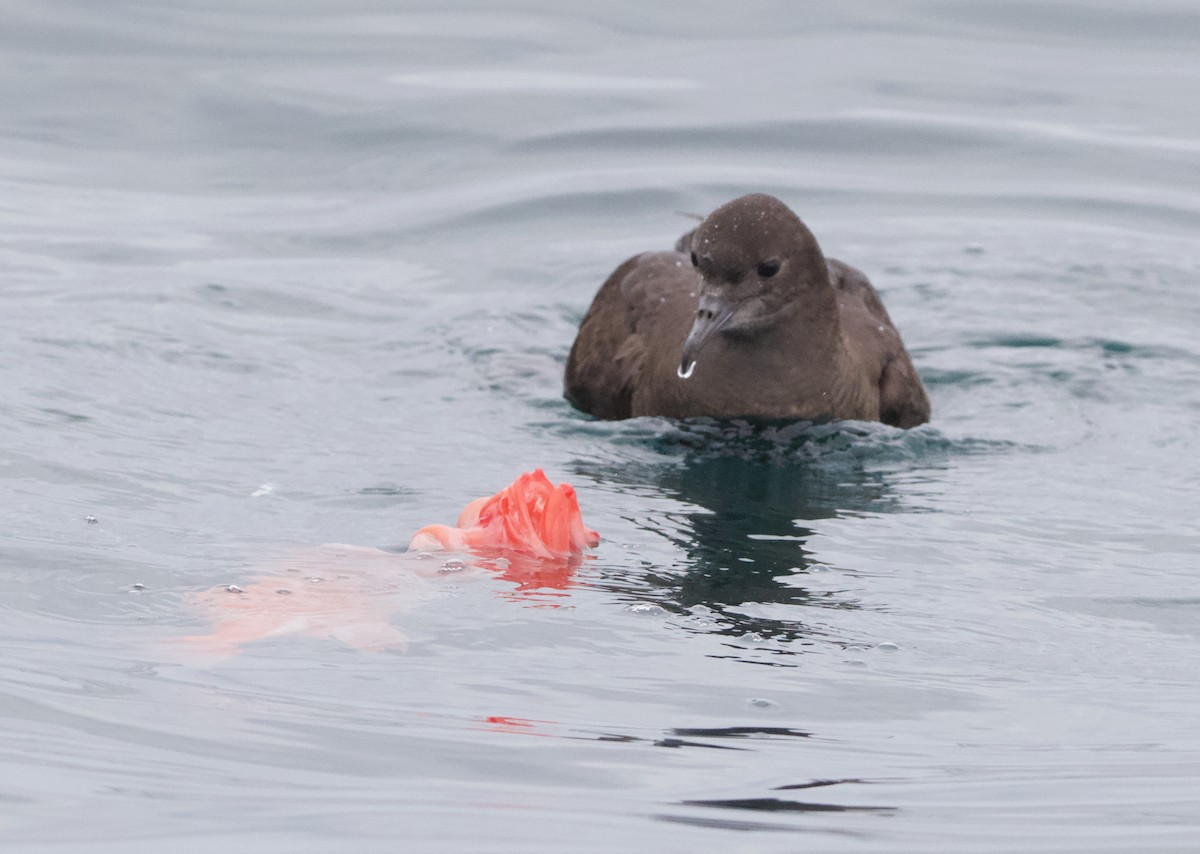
x=747, y=318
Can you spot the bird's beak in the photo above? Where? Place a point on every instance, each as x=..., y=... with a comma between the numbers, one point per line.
x=713, y=315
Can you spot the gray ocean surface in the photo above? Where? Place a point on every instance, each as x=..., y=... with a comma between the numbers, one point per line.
x=277, y=274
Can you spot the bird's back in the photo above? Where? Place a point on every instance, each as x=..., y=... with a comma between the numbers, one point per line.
x=872, y=341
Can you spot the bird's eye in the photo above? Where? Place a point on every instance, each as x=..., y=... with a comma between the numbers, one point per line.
x=695, y=261
x=767, y=269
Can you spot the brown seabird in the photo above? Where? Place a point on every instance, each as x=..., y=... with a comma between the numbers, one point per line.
x=747, y=318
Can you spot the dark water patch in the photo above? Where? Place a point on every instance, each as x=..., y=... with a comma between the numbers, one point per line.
x=60, y=415
x=725, y=601
x=762, y=651
x=748, y=498
x=753, y=493
x=1094, y=370
x=739, y=540
x=387, y=490
x=832, y=445
x=781, y=805
x=679, y=742
x=730, y=824
x=670, y=742
x=1103, y=346
x=817, y=784
x=1019, y=341
x=770, y=804
x=933, y=378
x=1116, y=348
x=741, y=732
x=1149, y=352
x=812, y=473
x=677, y=737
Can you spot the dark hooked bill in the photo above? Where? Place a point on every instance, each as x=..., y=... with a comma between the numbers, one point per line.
x=713, y=315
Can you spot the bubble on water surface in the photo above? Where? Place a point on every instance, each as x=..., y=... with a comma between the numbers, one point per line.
x=648, y=608
x=91, y=520
x=889, y=646
x=453, y=565
x=232, y=588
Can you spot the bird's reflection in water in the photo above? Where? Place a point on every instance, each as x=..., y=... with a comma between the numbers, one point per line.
x=743, y=546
